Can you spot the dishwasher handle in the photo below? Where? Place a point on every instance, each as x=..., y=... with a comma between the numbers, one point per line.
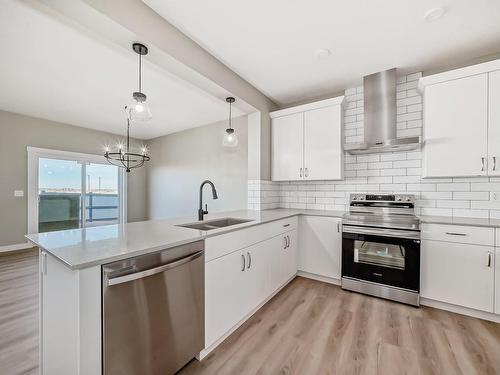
x=153, y=271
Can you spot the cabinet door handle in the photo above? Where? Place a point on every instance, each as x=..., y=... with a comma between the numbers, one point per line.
x=456, y=234
x=338, y=227
x=288, y=238
x=242, y=262
x=482, y=164
x=494, y=163
x=249, y=260
x=300, y=172
x=44, y=263
x=306, y=172
x=489, y=258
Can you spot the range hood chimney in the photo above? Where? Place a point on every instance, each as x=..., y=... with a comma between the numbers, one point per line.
x=379, y=91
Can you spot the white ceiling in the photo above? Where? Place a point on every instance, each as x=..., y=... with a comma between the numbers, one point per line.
x=272, y=44
x=53, y=70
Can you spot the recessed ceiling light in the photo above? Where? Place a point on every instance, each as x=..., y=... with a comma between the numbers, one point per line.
x=322, y=53
x=434, y=13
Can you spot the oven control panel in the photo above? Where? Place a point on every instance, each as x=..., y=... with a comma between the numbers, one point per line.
x=392, y=198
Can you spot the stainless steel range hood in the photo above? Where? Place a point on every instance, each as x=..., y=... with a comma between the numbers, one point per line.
x=380, y=117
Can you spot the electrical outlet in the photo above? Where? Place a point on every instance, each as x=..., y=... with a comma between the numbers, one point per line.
x=495, y=196
x=18, y=193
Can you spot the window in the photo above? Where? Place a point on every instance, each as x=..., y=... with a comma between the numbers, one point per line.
x=69, y=190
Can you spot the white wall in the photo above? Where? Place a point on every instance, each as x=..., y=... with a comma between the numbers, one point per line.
x=397, y=172
x=181, y=161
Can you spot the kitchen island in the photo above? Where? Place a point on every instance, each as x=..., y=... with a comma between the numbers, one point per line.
x=259, y=255
x=245, y=265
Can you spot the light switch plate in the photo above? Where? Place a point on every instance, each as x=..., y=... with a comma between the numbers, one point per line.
x=495, y=196
x=18, y=193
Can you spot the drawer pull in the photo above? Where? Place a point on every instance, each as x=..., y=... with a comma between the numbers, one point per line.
x=456, y=234
x=286, y=225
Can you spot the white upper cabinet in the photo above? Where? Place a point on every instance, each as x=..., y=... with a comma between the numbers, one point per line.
x=494, y=124
x=456, y=127
x=288, y=147
x=323, y=156
x=307, y=142
x=462, y=122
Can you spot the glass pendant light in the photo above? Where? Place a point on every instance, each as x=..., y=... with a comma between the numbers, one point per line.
x=230, y=138
x=139, y=109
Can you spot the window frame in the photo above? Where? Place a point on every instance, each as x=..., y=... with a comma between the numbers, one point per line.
x=35, y=153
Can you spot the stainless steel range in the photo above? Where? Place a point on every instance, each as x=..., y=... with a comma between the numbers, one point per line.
x=381, y=247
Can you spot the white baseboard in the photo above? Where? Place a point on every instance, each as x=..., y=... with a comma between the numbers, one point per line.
x=15, y=247
x=325, y=279
x=208, y=350
x=460, y=310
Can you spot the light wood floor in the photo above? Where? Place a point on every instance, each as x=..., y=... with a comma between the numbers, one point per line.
x=315, y=328
x=19, y=313
x=308, y=328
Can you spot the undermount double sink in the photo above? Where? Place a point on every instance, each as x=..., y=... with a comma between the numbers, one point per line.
x=215, y=224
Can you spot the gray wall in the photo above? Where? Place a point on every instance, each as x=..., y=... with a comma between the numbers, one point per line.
x=181, y=161
x=18, y=132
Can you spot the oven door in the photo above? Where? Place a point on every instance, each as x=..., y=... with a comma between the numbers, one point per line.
x=385, y=256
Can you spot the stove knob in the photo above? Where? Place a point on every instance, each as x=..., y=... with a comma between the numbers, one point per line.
x=362, y=198
x=354, y=198
x=398, y=199
x=408, y=199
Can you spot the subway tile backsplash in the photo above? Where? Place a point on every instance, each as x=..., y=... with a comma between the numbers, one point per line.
x=398, y=172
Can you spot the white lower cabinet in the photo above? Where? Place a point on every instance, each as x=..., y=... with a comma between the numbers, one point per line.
x=238, y=282
x=224, y=294
x=320, y=246
x=497, y=276
x=458, y=273
x=284, y=263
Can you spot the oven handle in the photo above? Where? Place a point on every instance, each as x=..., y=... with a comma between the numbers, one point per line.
x=412, y=235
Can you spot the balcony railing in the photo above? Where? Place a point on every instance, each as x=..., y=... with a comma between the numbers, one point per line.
x=60, y=210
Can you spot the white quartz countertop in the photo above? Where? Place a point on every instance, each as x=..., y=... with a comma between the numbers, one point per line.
x=471, y=221
x=82, y=248
x=87, y=247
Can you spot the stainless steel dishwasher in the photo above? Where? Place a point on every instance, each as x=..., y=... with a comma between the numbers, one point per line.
x=153, y=311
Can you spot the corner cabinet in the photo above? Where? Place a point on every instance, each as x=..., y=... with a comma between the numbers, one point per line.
x=462, y=122
x=320, y=246
x=307, y=142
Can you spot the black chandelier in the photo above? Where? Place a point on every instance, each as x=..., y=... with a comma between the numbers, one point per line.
x=123, y=157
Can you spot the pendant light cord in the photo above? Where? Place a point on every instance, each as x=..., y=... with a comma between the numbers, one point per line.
x=230, y=104
x=140, y=72
x=128, y=143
